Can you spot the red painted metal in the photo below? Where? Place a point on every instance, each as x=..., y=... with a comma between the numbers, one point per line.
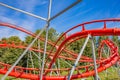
x=113, y=58
x=107, y=63
x=33, y=35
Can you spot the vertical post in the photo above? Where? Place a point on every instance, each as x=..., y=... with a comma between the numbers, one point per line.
x=44, y=54
x=58, y=65
x=45, y=45
x=57, y=71
x=51, y=71
x=94, y=59
x=78, y=58
x=104, y=24
x=39, y=56
x=32, y=62
x=27, y=62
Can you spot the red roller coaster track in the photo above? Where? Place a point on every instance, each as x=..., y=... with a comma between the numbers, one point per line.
x=103, y=64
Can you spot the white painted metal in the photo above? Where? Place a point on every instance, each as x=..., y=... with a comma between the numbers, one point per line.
x=25, y=12
x=46, y=27
x=94, y=59
x=78, y=58
x=45, y=45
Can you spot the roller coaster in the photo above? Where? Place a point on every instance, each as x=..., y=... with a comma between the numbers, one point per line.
x=102, y=63
x=51, y=70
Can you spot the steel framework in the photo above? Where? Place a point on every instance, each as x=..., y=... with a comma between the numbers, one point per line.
x=49, y=70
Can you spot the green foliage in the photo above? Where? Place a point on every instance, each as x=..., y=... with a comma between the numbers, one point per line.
x=102, y=38
x=77, y=45
x=10, y=55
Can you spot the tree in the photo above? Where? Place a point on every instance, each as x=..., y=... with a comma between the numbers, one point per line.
x=115, y=40
x=102, y=38
x=10, y=55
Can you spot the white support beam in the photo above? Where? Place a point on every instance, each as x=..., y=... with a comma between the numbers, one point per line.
x=61, y=12
x=46, y=39
x=78, y=58
x=25, y=12
x=46, y=27
x=94, y=59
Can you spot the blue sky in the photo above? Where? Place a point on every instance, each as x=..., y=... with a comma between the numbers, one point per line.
x=86, y=10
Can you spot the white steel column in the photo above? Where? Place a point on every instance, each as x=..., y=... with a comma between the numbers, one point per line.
x=27, y=63
x=94, y=59
x=78, y=58
x=45, y=45
x=32, y=61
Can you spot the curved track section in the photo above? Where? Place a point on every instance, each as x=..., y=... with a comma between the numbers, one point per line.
x=103, y=64
x=62, y=46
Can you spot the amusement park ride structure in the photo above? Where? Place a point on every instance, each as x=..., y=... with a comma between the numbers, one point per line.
x=48, y=63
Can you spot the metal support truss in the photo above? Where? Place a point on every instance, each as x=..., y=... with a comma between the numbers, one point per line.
x=94, y=59
x=45, y=45
x=78, y=58
x=22, y=55
x=44, y=28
